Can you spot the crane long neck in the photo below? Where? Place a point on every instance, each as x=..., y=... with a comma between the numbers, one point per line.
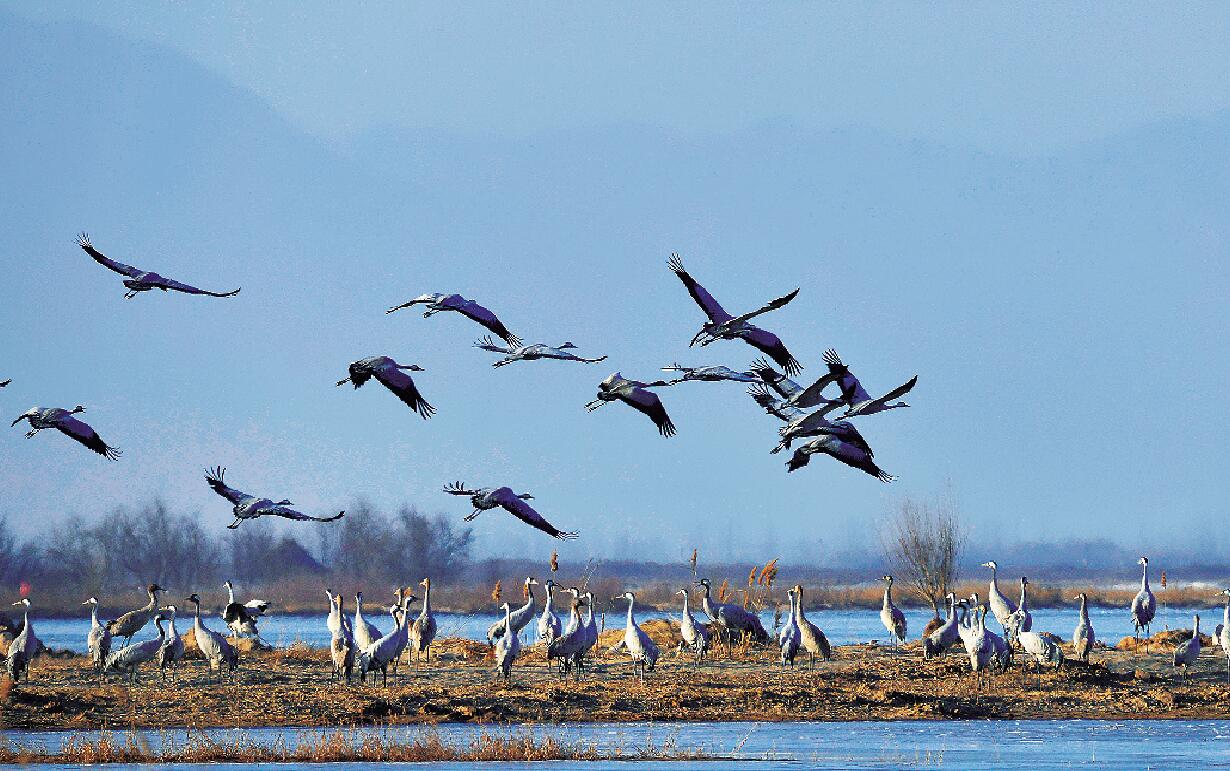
x=631, y=602
x=888, y=595
x=685, y=603
x=153, y=600
x=1196, y=628
x=799, y=601
x=1024, y=596
x=171, y=625
x=94, y=613
x=1084, y=610
x=426, y=600
x=546, y=608
x=1144, y=577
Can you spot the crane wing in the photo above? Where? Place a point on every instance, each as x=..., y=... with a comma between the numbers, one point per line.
x=5, y=382
x=179, y=286
x=900, y=390
x=81, y=431
x=771, y=345
x=402, y=386
x=509, y=501
x=772, y=305
x=712, y=308
x=473, y=310
x=289, y=513
x=83, y=240
x=487, y=344
x=649, y=404
x=852, y=391
x=214, y=478
x=856, y=457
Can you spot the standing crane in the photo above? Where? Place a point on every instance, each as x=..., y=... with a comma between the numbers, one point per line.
x=171, y=652
x=134, y=621
x=532, y=352
x=1223, y=631
x=1144, y=604
x=392, y=376
x=640, y=647
x=548, y=622
x=487, y=498
x=521, y=617
x=810, y=636
x=341, y=642
x=1021, y=620
x=571, y=643
x=218, y=653
x=891, y=616
x=98, y=641
x=365, y=632
x=723, y=326
x=789, y=638
x=507, y=647
x=383, y=652
x=693, y=636
x=731, y=618
x=1186, y=652
x=242, y=618
x=423, y=630
x=63, y=421
x=246, y=506
x=24, y=647
x=636, y=395
x=438, y=303
x=132, y=656
x=1001, y=606
x=946, y=634
x=1083, y=638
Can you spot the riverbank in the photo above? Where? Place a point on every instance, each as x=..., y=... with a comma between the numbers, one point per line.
x=292, y=688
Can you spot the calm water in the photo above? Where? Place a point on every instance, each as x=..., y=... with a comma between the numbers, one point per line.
x=843, y=627
x=1142, y=744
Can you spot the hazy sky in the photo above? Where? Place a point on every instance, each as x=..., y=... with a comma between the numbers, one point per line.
x=1026, y=207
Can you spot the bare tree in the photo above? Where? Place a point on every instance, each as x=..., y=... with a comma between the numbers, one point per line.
x=923, y=542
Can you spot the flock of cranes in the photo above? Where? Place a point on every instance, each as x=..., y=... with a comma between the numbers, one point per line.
x=835, y=437
x=357, y=646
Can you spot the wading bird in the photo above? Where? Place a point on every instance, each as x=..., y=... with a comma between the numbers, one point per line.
x=571, y=644
x=341, y=642
x=1222, y=637
x=548, y=622
x=134, y=621
x=437, y=303
x=810, y=636
x=789, y=638
x=891, y=616
x=532, y=352
x=250, y=507
x=1000, y=605
x=486, y=498
x=1083, y=637
x=365, y=632
x=130, y=657
x=520, y=617
x=801, y=424
x=644, y=651
x=732, y=618
x=383, y=652
x=692, y=636
x=390, y=375
x=423, y=630
x=1144, y=604
x=24, y=647
x=507, y=647
x=140, y=280
x=1040, y=646
x=1021, y=620
x=850, y=452
x=946, y=634
x=242, y=618
x=98, y=641
x=218, y=653
x=1186, y=652
x=723, y=326
x=855, y=397
x=172, y=651
x=63, y=421
x=636, y=395
x=711, y=374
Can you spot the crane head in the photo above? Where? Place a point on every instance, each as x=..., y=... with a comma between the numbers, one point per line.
x=990, y=564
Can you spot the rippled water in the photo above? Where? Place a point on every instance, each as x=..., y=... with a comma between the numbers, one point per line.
x=1141, y=744
x=843, y=627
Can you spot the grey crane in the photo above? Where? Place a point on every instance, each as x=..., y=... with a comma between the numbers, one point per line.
x=891, y=616
x=4, y=383
x=218, y=653
x=852, y=452
x=711, y=374
x=438, y=303
x=24, y=647
x=1222, y=635
x=789, y=639
x=980, y=645
x=791, y=393
x=521, y=617
x=938, y=642
x=134, y=621
x=1020, y=620
x=242, y=618
x=171, y=652
x=810, y=636
x=341, y=641
x=636, y=395
x=534, y=352
x=487, y=498
x=548, y=622
x=98, y=641
x=692, y=636
x=392, y=376
x=1041, y=647
x=855, y=397
x=1083, y=638
x=423, y=630
x=571, y=643
x=63, y=421
x=139, y=280
x=246, y=506
x=640, y=647
x=1000, y=605
x=590, y=628
x=723, y=326
x=333, y=621
x=966, y=627
x=732, y=619
x=1144, y=604
x=507, y=648
x=128, y=658
x=383, y=652
x=365, y=632
x=801, y=424
x=1186, y=652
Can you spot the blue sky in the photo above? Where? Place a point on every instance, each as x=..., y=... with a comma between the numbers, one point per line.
x=1027, y=210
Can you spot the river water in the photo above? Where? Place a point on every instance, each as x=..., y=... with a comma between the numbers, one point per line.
x=1035, y=744
x=843, y=627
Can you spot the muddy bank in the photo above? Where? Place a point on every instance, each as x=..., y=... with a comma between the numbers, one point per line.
x=292, y=687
